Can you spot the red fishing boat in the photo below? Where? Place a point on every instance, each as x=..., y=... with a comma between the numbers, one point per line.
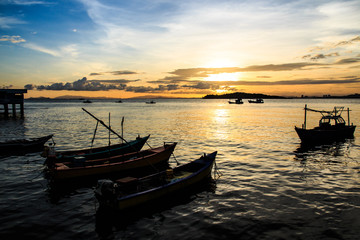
x=135, y=161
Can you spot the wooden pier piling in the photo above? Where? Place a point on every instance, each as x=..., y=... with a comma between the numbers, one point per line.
x=12, y=97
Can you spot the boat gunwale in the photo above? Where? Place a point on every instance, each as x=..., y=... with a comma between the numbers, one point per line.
x=206, y=165
x=104, y=149
x=151, y=154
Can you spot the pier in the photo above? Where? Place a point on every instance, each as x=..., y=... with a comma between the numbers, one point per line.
x=12, y=97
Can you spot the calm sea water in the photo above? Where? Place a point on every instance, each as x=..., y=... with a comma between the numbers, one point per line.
x=270, y=188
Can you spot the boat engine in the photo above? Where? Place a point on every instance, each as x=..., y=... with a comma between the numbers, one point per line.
x=105, y=189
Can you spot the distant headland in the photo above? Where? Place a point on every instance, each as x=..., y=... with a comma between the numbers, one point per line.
x=264, y=96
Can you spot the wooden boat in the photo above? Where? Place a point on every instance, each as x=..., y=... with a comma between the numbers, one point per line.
x=94, y=153
x=130, y=192
x=111, y=165
x=332, y=127
x=258, y=100
x=21, y=146
x=237, y=101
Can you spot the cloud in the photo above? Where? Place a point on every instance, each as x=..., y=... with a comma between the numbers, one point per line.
x=320, y=56
x=42, y=49
x=160, y=88
x=121, y=72
x=12, y=39
x=230, y=85
x=345, y=80
x=124, y=72
x=25, y=2
x=352, y=41
x=185, y=75
x=199, y=73
x=203, y=85
x=332, y=45
x=115, y=81
x=348, y=61
x=83, y=85
x=7, y=22
x=29, y=86
x=6, y=86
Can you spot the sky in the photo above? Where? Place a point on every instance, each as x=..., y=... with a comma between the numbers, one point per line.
x=180, y=49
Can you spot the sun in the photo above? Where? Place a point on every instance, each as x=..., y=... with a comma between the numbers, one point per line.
x=219, y=63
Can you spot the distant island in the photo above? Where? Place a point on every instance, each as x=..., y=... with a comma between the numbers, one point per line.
x=242, y=95
x=264, y=96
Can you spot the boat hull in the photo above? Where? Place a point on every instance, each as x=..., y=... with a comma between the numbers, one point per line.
x=112, y=165
x=102, y=152
x=163, y=191
x=318, y=135
x=23, y=146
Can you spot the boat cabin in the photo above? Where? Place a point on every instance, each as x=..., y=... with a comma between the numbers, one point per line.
x=331, y=121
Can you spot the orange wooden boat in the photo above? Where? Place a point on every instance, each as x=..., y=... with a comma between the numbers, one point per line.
x=135, y=161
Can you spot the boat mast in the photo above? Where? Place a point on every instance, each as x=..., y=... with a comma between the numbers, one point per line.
x=109, y=130
x=348, y=116
x=122, y=128
x=304, y=126
x=100, y=121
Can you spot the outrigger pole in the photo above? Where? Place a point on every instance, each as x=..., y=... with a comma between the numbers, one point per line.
x=100, y=121
x=304, y=126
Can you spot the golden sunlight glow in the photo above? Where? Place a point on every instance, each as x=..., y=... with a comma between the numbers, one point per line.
x=220, y=63
x=223, y=77
x=220, y=91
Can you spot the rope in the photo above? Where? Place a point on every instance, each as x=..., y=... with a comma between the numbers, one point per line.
x=217, y=173
x=175, y=159
x=52, y=139
x=148, y=145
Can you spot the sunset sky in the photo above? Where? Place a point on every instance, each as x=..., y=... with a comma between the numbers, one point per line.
x=132, y=48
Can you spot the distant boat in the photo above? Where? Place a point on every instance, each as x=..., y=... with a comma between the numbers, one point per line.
x=332, y=127
x=118, y=101
x=151, y=102
x=237, y=101
x=258, y=100
x=21, y=146
x=87, y=101
x=129, y=192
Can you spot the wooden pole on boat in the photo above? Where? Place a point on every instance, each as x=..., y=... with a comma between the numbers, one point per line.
x=109, y=130
x=348, y=117
x=122, y=127
x=305, y=117
x=100, y=121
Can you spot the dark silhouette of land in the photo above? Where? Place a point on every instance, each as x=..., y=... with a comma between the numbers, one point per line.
x=242, y=95
x=264, y=96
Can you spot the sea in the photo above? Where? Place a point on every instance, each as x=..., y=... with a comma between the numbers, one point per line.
x=266, y=184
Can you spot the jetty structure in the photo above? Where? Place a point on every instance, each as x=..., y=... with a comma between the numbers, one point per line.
x=12, y=97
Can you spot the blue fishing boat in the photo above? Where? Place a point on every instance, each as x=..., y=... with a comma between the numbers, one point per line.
x=129, y=192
